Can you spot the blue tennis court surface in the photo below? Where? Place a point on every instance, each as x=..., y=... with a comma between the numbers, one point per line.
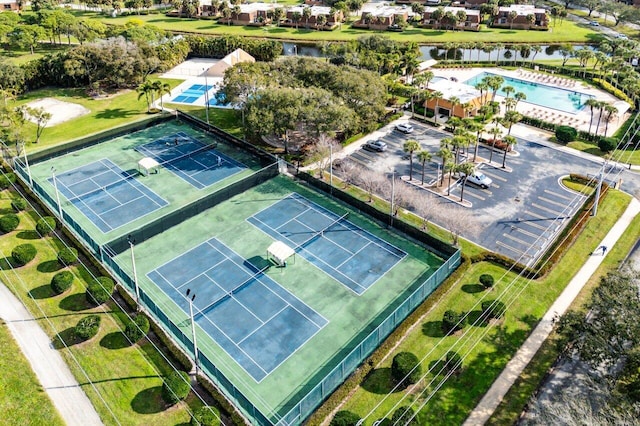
x=198, y=164
x=255, y=320
x=192, y=94
x=348, y=253
x=109, y=196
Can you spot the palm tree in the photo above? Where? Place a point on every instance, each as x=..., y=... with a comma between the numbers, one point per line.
x=510, y=118
x=477, y=127
x=483, y=87
x=411, y=146
x=600, y=105
x=446, y=155
x=610, y=109
x=454, y=101
x=496, y=133
x=494, y=82
x=535, y=49
x=508, y=90
x=423, y=157
x=508, y=141
x=449, y=167
x=145, y=89
x=161, y=89
x=467, y=170
x=306, y=14
x=591, y=103
x=512, y=16
x=519, y=97
x=437, y=96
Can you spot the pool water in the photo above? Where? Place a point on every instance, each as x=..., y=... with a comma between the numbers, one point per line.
x=565, y=100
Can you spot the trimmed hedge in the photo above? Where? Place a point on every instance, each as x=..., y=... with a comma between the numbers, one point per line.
x=137, y=329
x=406, y=369
x=46, y=225
x=453, y=362
x=67, y=256
x=566, y=134
x=9, y=222
x=486, y=281
x=175, y=387
x=230, y=410
x=493, y=309
x=99, y=290
x=403, y=416
x=452, y=321
x=23, y=254
x=19, y=204
x=205, y=416
x=88, y=327
x=607, y=144
x=61, y=282
x=345, y=418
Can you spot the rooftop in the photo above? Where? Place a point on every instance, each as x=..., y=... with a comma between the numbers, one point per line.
x=449, y=89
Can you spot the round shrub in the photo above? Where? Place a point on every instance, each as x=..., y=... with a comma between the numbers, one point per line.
x=61, y=282
x=345, y=418
x=9, y=222
x=175, y=387
x=403, y=416
x=67, y=256
x=46, y=225
x=137, y=329
x=88, y=327
x=566, y=134
x=607, y=144
x=23, y=254
x=6, y=180
x=405, y=368
x=205, y=416
x=452, y=321
x=453, y=362
x=99, y=290
x=19, y=204
x=486, y=280
x=493, y=309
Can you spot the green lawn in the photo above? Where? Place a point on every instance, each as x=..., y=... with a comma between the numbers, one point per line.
x=457, y=397
x=564, y=32
x=122, y=381
x=23, y=401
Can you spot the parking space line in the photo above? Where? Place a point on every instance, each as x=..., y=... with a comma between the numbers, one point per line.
x=511, y=237
x=515, y=250
x=563, y=205
x=493, y=175
x=527, y=233
x=361, y=161
x=555, y=194
x=474, y=195
x=534, y=225
x=546, y=209
x=537, y=216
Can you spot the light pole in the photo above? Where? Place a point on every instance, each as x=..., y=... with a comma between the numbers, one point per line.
x=55, y=187
x=330, y=169
x=206, y=94
x=135, y=274
x=26, y=163
x=193, y=328
x=600, y=179
x=393, y=193
x=295, y=50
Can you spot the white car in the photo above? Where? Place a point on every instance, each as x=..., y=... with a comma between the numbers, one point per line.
x=480, y=179
x=404, y=127
x=376, y=145
x=622, y=37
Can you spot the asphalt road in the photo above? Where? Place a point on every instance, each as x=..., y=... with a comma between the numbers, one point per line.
x=519, y=215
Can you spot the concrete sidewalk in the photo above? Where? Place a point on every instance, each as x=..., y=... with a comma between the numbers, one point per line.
x=485, y=409
x=50, y=368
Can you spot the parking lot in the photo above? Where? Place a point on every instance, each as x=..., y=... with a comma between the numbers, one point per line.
x=523, y=209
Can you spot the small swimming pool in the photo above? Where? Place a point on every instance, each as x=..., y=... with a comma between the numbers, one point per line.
x=565, y=100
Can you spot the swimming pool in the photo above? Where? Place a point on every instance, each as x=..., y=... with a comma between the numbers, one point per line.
x=540, y=94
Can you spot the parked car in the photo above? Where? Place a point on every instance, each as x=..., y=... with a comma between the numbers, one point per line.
x=622, y=37
x=480, y=179
x=376, y=145
x=594, y=23
x=404, y=127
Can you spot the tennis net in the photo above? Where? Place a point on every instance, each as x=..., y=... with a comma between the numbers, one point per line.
x=322, y=232
x=104, y=188
x=235, y=290
x=178, y=157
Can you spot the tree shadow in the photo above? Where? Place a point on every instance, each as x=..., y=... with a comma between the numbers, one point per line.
x=433, y=329
x=149, y=401
x=65, y=338
x=28, y=235
x=473, y=317
x=42, y=292
x=49, y=266
x=75, y=302
x=472, y=288
x=111, y=113
x=378, y=381
x=115, y=340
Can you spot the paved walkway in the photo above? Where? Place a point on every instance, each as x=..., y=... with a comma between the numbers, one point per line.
x=50, y=368
x=484, y=410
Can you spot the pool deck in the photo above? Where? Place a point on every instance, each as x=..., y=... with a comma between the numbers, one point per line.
x=579, y=120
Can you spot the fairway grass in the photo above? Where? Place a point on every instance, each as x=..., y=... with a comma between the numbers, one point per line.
x=121, y=380
x=485, y=360
x=23, y=400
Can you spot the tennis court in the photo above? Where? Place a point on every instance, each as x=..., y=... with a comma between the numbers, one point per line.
x=255, y=320
x=192, y=94
x=107, y=195
x=198, y=164
x=348, y=253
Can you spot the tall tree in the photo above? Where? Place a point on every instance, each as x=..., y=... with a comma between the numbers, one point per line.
x=423, y=157
x=410, y=147
x=508, y=142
